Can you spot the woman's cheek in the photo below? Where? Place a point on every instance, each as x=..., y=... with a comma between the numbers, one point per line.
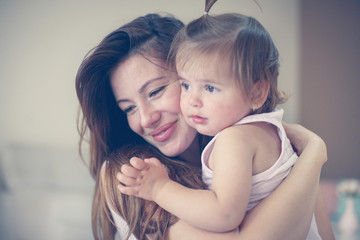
x=172, y=98
x=134, y=123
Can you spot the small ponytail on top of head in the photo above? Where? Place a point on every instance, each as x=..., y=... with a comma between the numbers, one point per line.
x=208, y=5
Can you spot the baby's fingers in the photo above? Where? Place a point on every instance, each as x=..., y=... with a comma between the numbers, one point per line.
x=153, y=161
x=130, y=171
x=125, y=180
x=138, y=163
x=128, y=190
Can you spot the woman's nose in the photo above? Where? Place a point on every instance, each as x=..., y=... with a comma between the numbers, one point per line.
x=149, y=116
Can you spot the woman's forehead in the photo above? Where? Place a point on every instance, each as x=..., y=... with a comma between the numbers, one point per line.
x=138, y=67
x=137, y=73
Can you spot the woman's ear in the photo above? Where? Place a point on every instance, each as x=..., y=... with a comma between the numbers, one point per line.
x=259, y=94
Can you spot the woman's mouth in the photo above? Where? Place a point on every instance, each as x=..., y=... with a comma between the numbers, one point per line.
x=164, y=132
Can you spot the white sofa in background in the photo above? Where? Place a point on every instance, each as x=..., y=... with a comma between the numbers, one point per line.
x=45, y=193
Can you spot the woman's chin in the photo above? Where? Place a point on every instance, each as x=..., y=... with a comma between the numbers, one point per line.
x=170, y=152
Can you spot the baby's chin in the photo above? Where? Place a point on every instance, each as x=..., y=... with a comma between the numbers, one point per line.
x=206, y=132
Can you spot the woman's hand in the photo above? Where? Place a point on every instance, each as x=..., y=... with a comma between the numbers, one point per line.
x=302, y=138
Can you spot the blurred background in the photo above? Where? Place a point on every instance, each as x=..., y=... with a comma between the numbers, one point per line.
x=45, y=188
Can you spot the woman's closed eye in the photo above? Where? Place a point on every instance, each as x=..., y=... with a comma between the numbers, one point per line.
x=156, y=91
x=128, y=109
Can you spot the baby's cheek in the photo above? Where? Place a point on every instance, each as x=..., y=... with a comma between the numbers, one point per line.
x=183, y=104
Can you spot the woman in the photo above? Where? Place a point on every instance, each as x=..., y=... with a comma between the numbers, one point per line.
x=128, y=96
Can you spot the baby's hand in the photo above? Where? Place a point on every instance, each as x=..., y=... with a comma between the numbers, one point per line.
x=142, y=178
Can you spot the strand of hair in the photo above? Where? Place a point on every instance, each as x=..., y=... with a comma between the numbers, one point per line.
x=208, y=5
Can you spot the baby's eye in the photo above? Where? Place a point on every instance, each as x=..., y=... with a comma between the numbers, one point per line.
x=156, y=91
x=185, y=86
x=211, y=88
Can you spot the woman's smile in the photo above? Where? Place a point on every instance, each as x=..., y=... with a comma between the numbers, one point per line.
x=164, y=132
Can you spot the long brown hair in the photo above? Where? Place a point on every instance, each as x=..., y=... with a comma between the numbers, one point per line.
x=143, y=217
x=100, y=120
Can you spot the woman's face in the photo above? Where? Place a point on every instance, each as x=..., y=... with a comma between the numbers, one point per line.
x=150, y=97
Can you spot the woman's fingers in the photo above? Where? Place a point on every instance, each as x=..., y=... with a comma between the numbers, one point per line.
x=301, y=138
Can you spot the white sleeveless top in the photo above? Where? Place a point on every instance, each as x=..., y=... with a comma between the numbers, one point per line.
x=265, y=182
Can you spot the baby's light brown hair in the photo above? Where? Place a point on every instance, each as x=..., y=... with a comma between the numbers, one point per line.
x=238, y=38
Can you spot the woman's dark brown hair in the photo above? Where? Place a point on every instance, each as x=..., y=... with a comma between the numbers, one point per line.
x=143, y=217
x=101, y=123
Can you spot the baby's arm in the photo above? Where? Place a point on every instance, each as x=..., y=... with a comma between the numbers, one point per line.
x=148, y=179
x=221, y=209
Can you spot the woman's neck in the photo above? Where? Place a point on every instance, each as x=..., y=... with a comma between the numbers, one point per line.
x=192, y=155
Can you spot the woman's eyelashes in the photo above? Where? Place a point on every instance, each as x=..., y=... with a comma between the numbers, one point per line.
x=151, y=95
x=127, y=110
x=156, y=92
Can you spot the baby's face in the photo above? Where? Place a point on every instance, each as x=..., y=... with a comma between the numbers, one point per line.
x=211, y=99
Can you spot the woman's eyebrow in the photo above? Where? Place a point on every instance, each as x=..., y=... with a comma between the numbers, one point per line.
x=147, y=83
x=122, y=100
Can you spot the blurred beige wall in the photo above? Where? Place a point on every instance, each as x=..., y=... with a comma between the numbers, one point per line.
x=43, y=42
x=330, y=80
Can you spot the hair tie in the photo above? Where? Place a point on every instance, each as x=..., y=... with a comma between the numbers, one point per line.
x=206, y=13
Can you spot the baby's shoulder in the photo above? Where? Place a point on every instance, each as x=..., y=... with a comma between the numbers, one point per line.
x=236, y=133
x=241, y=129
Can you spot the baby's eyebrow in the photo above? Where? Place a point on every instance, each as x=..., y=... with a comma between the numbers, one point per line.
x=181, y=77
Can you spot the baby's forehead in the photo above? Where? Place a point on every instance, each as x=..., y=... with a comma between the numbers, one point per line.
x=197, y=58
x=203, y=67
